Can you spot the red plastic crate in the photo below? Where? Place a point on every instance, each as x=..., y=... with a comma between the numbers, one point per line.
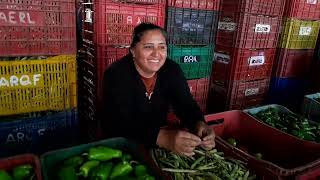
x=236, y=95
x=113, y=23
x=11, y=162
x=303, y=9
x=195, y=4
x=243, y=30
x=262, y=7
x=233, y=64
x=199, y=89
x=293, y=62
x=37, y=27
x=284, y=155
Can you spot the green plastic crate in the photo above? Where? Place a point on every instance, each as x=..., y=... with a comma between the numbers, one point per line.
x=49, y=160
x=195, y=61
x=311, y=107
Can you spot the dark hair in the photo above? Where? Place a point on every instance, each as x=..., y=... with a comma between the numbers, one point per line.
x=139, y=31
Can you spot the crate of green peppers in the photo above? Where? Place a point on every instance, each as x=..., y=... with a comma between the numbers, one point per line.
x=20, y=167
x=283, y=119
x=311, y=107
x=115, y=158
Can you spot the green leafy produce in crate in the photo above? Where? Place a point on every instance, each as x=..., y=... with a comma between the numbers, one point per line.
x=290, y=123
x=21, y=172
x=204, y=165
x=102, y=163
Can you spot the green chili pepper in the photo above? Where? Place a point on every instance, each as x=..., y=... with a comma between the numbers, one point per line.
x=102, y=153
x=87, y=166
x=140, y=170
x=73, y=161
x=67, y=173
x=22, y=172
x=101, y=172
x=126, y=157
x=121, y=169
x=4, y=175
x=146, y=177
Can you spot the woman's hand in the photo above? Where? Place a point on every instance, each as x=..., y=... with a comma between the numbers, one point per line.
x=179, y=141
x=206, y=134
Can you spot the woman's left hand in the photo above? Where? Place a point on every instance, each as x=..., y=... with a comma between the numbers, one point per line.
x=206, y=134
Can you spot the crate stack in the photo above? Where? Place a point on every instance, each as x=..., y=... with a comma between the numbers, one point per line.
x=295, y=52
x=246, y=44
x=191, y=28
x=38, y=91
x=107, y=31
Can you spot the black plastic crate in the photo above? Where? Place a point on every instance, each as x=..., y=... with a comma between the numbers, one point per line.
x=191, y=26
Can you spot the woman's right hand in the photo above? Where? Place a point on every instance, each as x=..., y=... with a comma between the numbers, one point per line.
x=179, y=141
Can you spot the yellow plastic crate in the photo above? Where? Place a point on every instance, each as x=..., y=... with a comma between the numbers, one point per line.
x=38, y=85
x=298, y=34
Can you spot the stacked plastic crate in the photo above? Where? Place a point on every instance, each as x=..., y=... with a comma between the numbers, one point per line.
x=191, y=28
x=37, y=75
x=295, y=53
x=246, y=43
x=107, y=30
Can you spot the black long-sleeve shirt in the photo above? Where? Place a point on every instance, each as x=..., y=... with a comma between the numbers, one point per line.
x=129, y=113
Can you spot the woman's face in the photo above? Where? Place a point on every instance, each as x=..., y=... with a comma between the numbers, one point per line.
x=150, y=53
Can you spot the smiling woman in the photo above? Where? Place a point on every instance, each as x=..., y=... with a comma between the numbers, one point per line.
x=138, y=90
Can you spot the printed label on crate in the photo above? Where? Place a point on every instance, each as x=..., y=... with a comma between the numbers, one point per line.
x=14, y=17
x=256, y=60
x=88, y=15
x=222, y=58
x=228, y=26
x=21, y=80
x=305, y=31
x=311, y=1
x=263, y=28
x=252, y=91
x=190, y=59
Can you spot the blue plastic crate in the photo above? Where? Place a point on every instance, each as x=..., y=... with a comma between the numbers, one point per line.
x=288, y=92
x=311, y=107
x=38, y=134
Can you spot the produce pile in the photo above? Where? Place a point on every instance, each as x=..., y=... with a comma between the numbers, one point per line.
x=101, y=163
x=290, y=123
x=203, y=165
x=21, y=172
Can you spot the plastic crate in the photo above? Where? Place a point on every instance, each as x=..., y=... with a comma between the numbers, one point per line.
x=270, y=8
x=11, y=162
x=243, y=30
x=38, y=27
x=113, y=23
x=311, y=107
x=38, y=134
x=195, y=61
x=299, y=34
x=303, y=9
x=195, y=4
x=233, y=64
x=256, y=137
x=139, y=1
x=199, y=89
x=191, y=26
x=293, y=63
x=38, y=85
x=50, y=160
x=237, y=95
x=288, y=92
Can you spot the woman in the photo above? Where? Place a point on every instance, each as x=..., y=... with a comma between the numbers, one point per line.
x=138, y=90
